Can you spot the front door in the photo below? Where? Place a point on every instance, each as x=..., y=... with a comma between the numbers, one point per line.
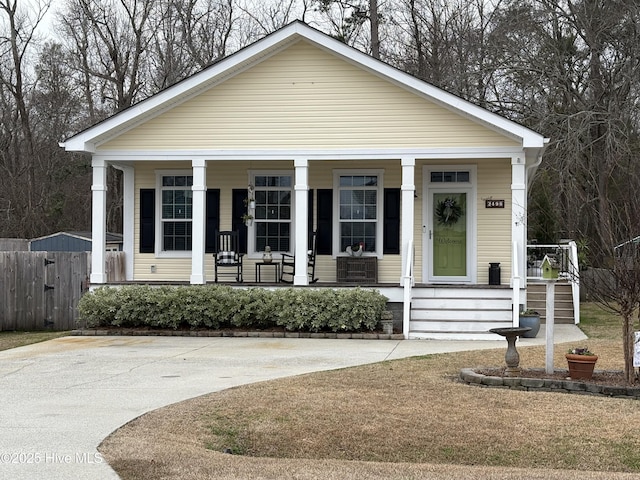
x=448, y=224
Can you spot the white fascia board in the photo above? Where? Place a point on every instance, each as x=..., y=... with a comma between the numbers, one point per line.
x=347, y=154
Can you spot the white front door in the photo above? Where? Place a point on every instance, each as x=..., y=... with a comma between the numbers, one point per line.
x=449, y=219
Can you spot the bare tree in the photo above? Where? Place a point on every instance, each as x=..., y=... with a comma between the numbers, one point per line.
x=259, y=19
x=447, y=43
x=189, y=36
x=21, y=198
x=615, y=285
x=571, y=70
x=109, y=40
x=345, y=19
x=206, y=29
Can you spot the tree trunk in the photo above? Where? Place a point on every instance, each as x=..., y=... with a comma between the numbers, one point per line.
x=375, y=38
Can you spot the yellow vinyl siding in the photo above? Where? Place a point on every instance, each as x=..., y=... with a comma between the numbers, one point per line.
x=494, y=224
x=306, y=98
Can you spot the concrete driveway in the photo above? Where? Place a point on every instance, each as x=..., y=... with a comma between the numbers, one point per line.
x=59, y=399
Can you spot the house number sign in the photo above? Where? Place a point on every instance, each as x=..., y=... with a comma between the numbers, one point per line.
x=490, y=203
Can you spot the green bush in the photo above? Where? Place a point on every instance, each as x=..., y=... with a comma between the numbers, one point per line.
x=220, y=306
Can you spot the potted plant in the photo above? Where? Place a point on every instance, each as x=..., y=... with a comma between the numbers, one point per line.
x=581, y=363
x=386, y=319
x=531, y=319
x=247, y=218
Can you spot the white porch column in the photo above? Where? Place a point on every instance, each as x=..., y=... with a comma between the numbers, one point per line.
x=198, y=222
x=98, y=221
x=519, y=215
x=128, y=222
x=408, y=189
x=301, y=188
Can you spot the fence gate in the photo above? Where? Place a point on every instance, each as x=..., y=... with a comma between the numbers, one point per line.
x=41, y=290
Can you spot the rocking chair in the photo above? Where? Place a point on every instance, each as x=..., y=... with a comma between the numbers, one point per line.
x=288, y=266
x=226, y=255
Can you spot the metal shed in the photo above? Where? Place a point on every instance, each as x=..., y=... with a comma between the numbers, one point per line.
x=72, y=242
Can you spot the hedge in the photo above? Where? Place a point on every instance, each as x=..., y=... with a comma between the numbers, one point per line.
x=220, y=306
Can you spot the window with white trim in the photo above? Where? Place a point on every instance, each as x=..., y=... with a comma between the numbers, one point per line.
x=176, y=204
x=462, y=176
x=359, y=209
x=273, y=214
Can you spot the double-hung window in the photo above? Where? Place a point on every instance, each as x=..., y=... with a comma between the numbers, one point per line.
x=273, y=211
x=359, y=206
x=176, y=206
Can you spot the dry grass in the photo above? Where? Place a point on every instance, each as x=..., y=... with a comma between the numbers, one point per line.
x=10, y=340
x=402, y=419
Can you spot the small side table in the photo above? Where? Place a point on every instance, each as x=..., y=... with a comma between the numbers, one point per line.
x=276, y=270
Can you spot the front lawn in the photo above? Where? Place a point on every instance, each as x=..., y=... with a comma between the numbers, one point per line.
x=398, y=417
x=18, y=339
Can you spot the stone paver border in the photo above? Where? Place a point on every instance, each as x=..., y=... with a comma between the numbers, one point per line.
x=233, y=333
x=471, y=377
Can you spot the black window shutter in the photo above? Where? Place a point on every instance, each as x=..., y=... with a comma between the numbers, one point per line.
x=325, y=221
x=147, y=220
x=238, y=208
x=391, y=227
x=212, y=219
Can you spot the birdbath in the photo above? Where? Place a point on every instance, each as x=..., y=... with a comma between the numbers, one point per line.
x=511, y=357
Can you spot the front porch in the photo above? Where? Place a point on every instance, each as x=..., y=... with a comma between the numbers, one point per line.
x=447, y=311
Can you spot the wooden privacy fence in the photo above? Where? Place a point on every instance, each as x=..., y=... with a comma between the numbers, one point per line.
x=41, y=290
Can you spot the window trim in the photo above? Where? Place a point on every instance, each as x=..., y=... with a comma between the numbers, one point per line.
x=337, y=173
x=251, y=230
x=159, y=252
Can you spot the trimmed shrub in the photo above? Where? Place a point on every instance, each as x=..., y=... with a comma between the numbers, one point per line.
x=220, y=306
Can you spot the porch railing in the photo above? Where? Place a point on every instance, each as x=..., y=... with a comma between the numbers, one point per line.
x=567, y=256
x=407, y=284
x=516, y=284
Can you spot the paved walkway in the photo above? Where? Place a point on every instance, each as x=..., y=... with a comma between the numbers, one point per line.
x=59, y=399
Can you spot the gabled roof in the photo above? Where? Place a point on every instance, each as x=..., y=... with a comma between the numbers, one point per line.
x=217, y=73
x=83, y=235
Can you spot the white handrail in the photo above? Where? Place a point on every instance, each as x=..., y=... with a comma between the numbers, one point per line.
x=407, y=284
x=574, y=275
x=515, y=285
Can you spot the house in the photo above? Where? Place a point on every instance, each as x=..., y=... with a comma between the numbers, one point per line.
x=327, y=139
x=73, y=242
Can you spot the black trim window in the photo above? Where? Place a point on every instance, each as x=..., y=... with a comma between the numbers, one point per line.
x=273, y=212
x=358, y=211
x=450, y=177
x=176, y=208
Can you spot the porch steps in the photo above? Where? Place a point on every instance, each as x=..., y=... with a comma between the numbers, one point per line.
x=459, y=313
x=537, y=300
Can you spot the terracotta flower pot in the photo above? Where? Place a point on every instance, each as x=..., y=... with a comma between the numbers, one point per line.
x=581, y=366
